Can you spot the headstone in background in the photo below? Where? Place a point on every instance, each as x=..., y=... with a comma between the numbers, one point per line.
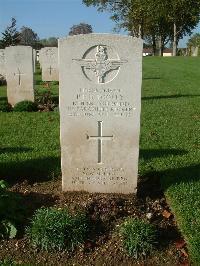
x=100, y=98
x=2, y=64
x=19, y=73
x=34, y=60
x=49, y=62
x=37, y=55
x=195, y=51
x=40, y=57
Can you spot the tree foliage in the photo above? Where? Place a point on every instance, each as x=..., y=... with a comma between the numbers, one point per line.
x=10, y=36
x=156, y=21
x=194, y=41
x=82, y=28
x=49, y=42
x=193, y=45
x=28, y=37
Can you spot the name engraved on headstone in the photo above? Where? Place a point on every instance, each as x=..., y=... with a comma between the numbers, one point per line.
x=102, y=102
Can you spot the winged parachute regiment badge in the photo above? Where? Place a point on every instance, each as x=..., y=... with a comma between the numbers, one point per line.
x=101, y=65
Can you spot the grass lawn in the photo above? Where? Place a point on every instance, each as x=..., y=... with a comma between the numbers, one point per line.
x=3, y=93
x=169, y=144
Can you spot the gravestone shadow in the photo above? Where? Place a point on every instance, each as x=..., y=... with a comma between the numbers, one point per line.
x=154, y=183
x=157, y=153
x=175, y=96
x=30, y=202
x=32, y=170
x=3, y=98
x=149, y=185
x=14, y=149
x=151, y=78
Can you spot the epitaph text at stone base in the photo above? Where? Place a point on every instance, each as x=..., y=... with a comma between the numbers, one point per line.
x=100, y=102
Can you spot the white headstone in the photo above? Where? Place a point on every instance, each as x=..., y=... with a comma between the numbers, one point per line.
x=100, y=98
x=34, y=60
x=37, y=55
x=2, y=63
x=195, y=51
x=19, y=73
x=49, y=63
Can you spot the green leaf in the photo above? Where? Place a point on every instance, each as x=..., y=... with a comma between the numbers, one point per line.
x=9, y=229
x=3, y=184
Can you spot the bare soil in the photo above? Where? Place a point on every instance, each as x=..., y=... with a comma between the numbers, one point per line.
x=107, y=211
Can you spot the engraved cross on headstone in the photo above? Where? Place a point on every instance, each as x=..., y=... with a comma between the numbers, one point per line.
x=19, y=74
x=50, y=69
x=100, y=139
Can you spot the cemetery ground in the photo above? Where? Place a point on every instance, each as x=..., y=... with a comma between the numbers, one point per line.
x=168, y=167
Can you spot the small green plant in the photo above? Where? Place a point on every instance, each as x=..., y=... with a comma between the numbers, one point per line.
x=3, y=184
x=2, y=80
x=25, y=106
x=56, y=229
x=10, y=212
x=5, y=106
x=8, y=262
x=55, y=82
x=45, y=100
x=139, y=237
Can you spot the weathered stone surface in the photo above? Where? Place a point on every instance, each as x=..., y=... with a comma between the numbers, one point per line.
x=100, y=99
x=49, y=63
x=19, y=73
x=34, y=60
x=2, y=63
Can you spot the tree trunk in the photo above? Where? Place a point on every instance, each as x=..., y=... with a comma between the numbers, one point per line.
x=160, y=46
x=154, y=45
x=175, y=40
x=140, y=31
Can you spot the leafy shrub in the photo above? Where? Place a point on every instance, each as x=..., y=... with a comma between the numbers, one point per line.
x=2, y=80
x=10, y=212
x=5, y=106
x=56, y=109
x=11, y=262
x=139, y=237
x=3, y=184
x=38, y=82
x=55, y=82
x=25, y=106
x=56, y=229
x=55, y=99
x=45, y=100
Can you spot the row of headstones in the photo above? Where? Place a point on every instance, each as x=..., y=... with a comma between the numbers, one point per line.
x=99, y=100
x=18, y=64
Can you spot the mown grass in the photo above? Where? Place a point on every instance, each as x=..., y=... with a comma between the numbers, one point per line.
x=169, y=144
x=3, y=93
x=29, y=142
x=40, y=85
x=29, y=146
